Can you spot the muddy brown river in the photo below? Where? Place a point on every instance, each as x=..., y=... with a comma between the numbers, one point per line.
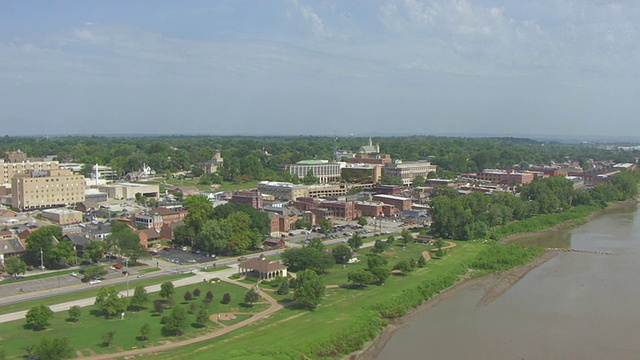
x=576, y=306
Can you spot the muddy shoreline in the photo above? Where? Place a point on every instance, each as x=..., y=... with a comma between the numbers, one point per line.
x=494, y=285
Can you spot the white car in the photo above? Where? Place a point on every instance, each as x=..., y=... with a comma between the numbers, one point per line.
x=74, y=274
x=95, y=281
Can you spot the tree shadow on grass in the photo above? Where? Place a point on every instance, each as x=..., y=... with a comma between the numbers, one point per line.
x=71, y=320
x=352, y=286
x=96, y=312
x=169, y=333
x=197, y=326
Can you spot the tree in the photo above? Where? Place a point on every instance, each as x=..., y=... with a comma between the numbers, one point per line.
x=251, y=296
x=202, y=316
x=284, y=288
x=325, y=225
x=188, y=296
x=196, y=292
x=316, y=243
x=94, y=272
x=140, y=298
x=355, y=242
x=422, y=262
x=167, y=290
x=362, y=221
x=42, y=240
x=14, y=266
x=360, y=277
x=309, y=290
x=375, y=261
x=310, y=178
x=407, y=237
x=38, y=317
x=404, y=266
x=209, y=296
x=54, y=349
x=380, y=274
x=145, y=331
x=390, y=239
x=341, y=254
x=74, y=313
x=158, y=306
x=109, y=301
x=226, y=298
x=302, y=224
x=379, y=247
x=107, y=338
x=93, y=251
x=307, y=258
x=176, y=321
x=419, y=181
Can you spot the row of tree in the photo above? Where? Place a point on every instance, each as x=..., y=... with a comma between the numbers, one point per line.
x=247, y=158
x=470, y=217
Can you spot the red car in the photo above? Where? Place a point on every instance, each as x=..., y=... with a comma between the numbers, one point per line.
x=117, y=266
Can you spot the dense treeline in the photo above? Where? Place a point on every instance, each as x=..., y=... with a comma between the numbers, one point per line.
x=247, y=158
x=227, y=229
x=545, y=202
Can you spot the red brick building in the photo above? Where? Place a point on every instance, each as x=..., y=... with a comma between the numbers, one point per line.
x=400, y=203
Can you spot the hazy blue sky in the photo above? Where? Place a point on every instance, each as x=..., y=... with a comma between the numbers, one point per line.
x=501, y=67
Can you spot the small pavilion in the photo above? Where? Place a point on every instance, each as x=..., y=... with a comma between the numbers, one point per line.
x=262, y=269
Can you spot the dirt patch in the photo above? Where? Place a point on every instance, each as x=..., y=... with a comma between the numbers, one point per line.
x=222, y=317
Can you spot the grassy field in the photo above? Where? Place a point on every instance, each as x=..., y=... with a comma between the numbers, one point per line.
x=5, y=309
x=217, y=268
x=86, y=334
x=288, y=334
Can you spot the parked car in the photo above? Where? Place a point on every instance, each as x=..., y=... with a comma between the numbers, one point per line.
x=284, y=236
x=117, y=266
x=94, y=281
x=292, y=234
x=242, y=258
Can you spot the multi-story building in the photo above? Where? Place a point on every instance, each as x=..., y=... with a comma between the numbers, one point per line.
x=503, y=176
x=251, y=197
x=401, y=203
x=9, y=169
x=408, y=171
x=42, y=189
x=376, y=209
x=211, y=166
x=128, y=191
x=283, y=190
x=324, y=170
x=345, y=210
x=63, y=216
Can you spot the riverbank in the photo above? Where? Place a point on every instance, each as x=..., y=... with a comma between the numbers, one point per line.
x=494, y=285
x=570, y=224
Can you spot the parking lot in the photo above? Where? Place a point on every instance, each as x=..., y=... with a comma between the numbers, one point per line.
x=183, y=257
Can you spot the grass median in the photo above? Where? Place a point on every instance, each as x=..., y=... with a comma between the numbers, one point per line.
x=25, y=305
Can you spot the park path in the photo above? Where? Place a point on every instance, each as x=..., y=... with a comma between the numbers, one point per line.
x=60, y=307
x=275, y=306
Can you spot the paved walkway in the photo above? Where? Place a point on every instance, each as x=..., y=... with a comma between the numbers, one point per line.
x=275, y=306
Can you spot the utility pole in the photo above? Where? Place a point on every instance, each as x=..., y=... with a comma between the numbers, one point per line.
x=41, y=260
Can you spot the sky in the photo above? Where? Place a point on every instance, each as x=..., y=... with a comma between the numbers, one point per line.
x=335, y=68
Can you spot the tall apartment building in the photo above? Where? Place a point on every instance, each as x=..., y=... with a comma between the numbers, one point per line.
x=408, y=171
x=9, y=169
x=42, y=189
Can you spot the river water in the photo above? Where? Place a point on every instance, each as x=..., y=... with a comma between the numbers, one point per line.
x=575, y=306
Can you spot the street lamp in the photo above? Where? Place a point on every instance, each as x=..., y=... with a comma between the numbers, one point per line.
x=126, y=264
x=41, y=260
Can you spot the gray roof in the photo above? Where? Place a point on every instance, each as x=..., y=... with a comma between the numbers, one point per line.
x=77, y=239
x=11, y=246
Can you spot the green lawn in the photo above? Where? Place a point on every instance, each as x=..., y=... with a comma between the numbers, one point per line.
x=216, y=268
x=85, y=335
x=5, y=309
x=287, y=334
